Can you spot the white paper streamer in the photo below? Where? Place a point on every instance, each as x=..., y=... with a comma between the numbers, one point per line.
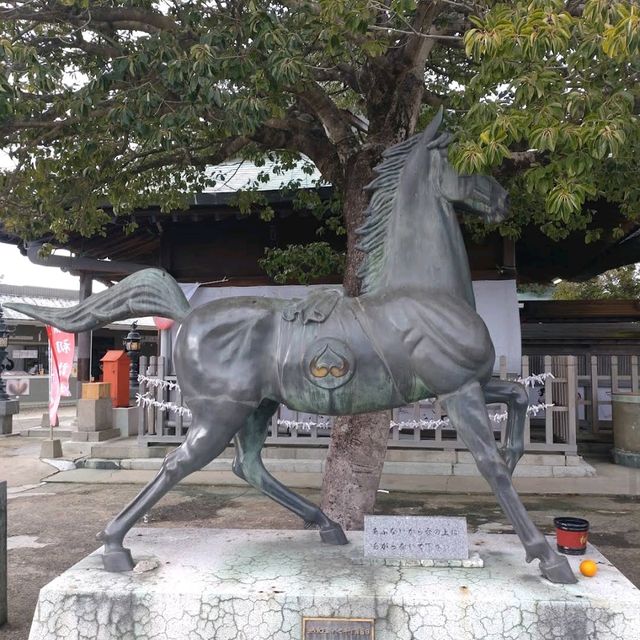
x=423, y=425
x=535, y=379
x=306, y=425
x=158, y=383
x=146, y=401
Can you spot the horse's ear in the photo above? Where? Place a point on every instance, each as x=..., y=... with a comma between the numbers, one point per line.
x=432, y=128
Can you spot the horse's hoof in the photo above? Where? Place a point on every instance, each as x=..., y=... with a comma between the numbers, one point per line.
x=334, y=535
x=558, y=570
x=118, y=560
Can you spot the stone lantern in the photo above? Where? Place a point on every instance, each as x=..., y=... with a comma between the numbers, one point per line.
x=132, y=347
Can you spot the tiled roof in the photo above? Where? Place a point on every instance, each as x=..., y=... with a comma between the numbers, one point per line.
x=10, y=314
x=43, y=297
x=236, y=175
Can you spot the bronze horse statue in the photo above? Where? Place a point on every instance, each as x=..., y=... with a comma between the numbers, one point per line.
x=412, y=334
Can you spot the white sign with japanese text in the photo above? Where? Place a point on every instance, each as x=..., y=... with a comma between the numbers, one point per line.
x=416, y=537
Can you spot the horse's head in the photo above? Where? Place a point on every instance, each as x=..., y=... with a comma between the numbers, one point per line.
x=477, y=194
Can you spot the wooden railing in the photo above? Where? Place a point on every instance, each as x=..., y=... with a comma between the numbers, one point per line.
x=598, y=377
x=551, y=430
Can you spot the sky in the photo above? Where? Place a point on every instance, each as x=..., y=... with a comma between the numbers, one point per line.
x=18, y=270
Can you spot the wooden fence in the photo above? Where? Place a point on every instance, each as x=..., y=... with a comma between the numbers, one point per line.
x=598, y=377
x=551, y=430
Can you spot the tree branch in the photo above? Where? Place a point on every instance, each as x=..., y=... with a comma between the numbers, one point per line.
x=519, y=161
x=417, y=47
x=121, y=17
x=433, y=99
x=337, y=128
x=51, y=44
x=340, y=73
x=461, y=7
x=428, y=36
x=182, y=157
x=575, y=7
x=295, y=134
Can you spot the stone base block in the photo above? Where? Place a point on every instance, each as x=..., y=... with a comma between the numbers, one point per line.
x=62, y=433
x=626, y=458
x=9, y=407
x=256, y=585
x=6, y=425
x=126, y=420
x=94, y=415
x=546, y=468
x=95, y=436
x=51, y=449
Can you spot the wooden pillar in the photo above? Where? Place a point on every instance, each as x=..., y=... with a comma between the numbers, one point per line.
x=509, y=257
x=84, y=338
x=166, y=348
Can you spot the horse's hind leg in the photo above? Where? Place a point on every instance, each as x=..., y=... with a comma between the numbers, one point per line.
x=249, y=466
x=213, y=426
x=468, y=413
x=514, y=395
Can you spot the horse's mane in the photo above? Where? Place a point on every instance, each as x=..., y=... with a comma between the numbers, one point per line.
x=385, y=186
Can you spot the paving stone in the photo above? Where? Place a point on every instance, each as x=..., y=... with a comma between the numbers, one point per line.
x=533, y=471
x=94, y=415
x=583, y=471
x=418, y=468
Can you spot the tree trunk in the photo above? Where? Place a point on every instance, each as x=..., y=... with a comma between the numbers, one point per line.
x=354, y=466
x=358, y=443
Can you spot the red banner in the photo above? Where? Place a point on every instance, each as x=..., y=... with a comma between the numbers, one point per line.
x=62, y=347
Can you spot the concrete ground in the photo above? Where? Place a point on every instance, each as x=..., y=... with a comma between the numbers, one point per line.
x=53, y=524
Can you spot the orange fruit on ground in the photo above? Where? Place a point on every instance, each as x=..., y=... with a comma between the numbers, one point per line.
x=588, y=568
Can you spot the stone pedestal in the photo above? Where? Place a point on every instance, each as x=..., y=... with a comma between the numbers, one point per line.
x=8, y=408
x=626, y=429
x=95, y=419
x=51, y=449
x=125, y=419
x=258, y=585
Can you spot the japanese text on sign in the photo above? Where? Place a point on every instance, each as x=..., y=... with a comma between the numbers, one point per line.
x=416, y=537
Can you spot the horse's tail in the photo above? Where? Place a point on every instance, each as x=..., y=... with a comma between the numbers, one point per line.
x=150, y=292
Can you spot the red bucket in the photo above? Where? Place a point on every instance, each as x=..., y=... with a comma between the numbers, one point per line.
x=572, y=535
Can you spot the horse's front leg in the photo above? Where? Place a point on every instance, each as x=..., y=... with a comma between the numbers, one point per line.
x=514, y=395
x=468, y=413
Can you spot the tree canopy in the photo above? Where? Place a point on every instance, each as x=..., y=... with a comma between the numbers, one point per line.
x=127, y=102
x=616, y=284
